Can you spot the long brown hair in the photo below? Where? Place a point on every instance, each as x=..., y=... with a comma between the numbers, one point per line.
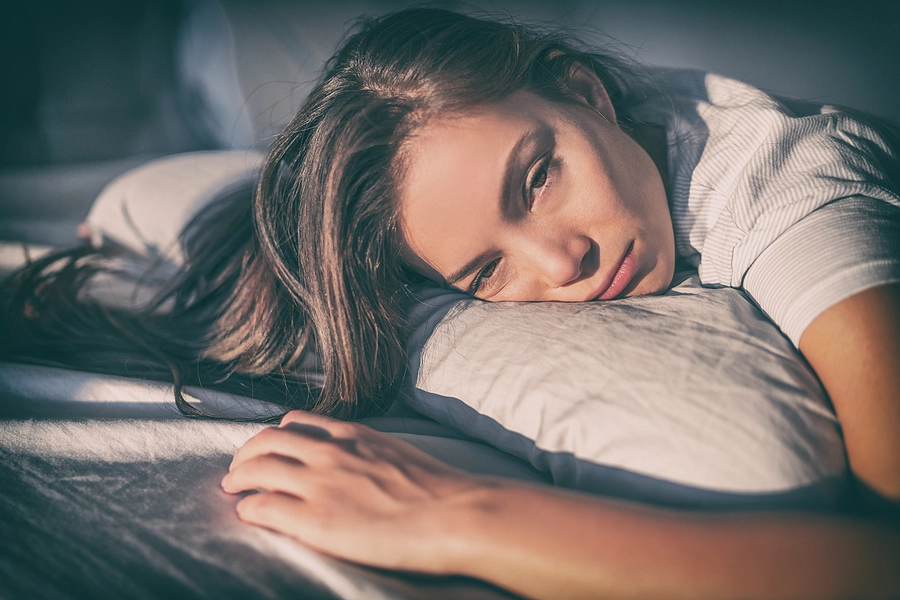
x=310, y=270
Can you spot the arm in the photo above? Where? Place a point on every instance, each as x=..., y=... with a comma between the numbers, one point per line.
x=854, y=348
x=554, y=544
x=355, y=493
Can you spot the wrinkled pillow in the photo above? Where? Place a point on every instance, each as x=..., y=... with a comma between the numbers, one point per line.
x=689, y=398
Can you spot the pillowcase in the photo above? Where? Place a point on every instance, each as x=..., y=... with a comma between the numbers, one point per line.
x=145, y=211
x=146, y=208
x=689, y=398
x=692, y=398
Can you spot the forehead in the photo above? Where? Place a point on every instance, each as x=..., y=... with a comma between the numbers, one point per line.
x=453, y=178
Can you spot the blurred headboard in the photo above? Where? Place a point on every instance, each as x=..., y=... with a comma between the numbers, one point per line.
x=818, y=51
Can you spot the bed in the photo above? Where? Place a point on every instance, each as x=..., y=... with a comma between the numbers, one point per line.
x=107, y=491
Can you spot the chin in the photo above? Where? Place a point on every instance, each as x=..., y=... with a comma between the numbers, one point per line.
x=657, y=281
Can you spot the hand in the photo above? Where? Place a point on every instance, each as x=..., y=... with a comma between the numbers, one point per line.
x=350, y=491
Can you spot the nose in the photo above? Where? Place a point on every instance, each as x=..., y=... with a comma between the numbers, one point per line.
x=559, y=260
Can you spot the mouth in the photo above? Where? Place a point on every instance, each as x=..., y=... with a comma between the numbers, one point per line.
x=622, y=276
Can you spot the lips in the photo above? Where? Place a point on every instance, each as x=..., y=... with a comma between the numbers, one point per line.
x=623, y=274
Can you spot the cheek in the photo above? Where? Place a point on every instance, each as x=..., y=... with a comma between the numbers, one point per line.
x=587, y=195
x=661, y=246
x=604, y=184
x=641, y=197
x=527, y=287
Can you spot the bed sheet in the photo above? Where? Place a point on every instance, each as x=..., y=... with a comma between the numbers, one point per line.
x=108, y=492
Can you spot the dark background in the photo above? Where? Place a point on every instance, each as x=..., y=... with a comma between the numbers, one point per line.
x=97, y=80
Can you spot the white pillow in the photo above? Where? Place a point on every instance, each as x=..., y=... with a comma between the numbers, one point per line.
x=146, y=209
x=690, y=398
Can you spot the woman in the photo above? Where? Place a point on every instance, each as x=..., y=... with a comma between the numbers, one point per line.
x=508, y=164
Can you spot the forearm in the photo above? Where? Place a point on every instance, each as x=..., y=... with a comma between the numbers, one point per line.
x=547, y=543
x=364, y=496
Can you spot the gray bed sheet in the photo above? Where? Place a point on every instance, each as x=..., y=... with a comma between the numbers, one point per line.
x=107, y=492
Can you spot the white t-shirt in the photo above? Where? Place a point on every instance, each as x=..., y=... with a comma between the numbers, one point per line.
x=799, y=212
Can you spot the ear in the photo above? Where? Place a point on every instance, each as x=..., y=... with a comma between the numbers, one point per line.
x=586, y=84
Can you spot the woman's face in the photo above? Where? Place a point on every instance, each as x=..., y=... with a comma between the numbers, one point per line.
x=529, y=199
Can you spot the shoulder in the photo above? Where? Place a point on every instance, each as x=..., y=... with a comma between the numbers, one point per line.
x=745, y=167
x=735, y=112
x=735, y=140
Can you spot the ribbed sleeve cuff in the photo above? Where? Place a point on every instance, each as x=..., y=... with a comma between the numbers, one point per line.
x=836, y=251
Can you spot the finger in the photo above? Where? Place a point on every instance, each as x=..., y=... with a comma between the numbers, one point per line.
x=357, y=440
x=302, y=521
x=362, y=538
x=279, y=511
x=271, y=440
x=334, y=428
x=323, y=427
x=269, y=472
x=298, y=445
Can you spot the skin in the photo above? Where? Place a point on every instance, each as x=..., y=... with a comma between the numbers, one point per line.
x=854, y=348
x=364, y=496
x=580, y=195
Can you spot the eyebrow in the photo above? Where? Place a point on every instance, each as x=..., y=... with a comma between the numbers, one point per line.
x=512, y=164
x=466, y=269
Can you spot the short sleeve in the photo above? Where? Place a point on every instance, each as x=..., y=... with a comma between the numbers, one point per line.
x=836, y=251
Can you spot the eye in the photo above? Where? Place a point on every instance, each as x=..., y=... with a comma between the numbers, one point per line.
x=540, y=178
x=484, y=276
x=537, y=179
